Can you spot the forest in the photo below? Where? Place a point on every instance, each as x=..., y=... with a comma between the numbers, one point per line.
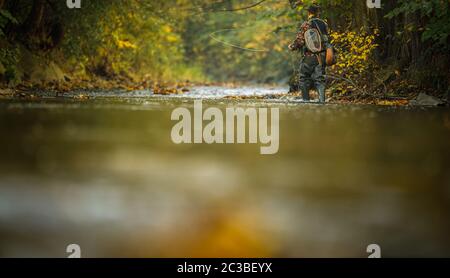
x=389, y=53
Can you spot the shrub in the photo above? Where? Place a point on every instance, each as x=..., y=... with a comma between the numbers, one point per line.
x=354, y=52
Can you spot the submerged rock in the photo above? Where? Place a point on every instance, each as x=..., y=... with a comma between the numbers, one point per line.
x=426, y=100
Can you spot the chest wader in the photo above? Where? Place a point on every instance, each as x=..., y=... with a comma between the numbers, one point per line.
x=312, y=73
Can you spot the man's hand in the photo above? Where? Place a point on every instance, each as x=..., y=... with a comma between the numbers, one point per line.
x=291, y=47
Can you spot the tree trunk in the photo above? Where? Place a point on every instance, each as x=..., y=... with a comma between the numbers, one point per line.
x=360, y=18
x=35, y=18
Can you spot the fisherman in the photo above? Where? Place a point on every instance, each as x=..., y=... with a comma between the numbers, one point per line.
x=312, y=65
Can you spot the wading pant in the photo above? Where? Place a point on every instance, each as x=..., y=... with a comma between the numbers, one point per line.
x=312, y=73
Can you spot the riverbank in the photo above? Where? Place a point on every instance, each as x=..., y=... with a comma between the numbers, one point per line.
x=34, y=76
x=78, y=89
x=38, y=76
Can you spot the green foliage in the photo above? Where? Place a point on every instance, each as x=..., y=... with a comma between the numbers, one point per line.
x=126, y=38
x=8, y=55
x=221, y=40
x=435, y=13
x=9, y=59
x=5, y=18
x=249, y=44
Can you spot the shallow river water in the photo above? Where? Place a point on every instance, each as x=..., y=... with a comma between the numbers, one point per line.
x=104, y=173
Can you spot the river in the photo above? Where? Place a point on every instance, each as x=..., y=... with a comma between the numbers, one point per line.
x=101, y=171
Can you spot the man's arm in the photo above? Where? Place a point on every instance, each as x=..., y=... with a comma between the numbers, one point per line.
x=299, y=41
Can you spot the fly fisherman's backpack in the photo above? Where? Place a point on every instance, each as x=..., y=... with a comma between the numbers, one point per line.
x=331, y=57
x=316, y=42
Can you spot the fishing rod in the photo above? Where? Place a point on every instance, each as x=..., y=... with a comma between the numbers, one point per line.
x=212, y=36
x=292, y=62
x=294, y=4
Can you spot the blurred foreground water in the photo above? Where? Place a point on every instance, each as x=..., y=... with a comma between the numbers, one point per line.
x=103, y=173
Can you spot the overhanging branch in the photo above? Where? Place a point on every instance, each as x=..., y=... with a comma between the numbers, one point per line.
x=238, y=9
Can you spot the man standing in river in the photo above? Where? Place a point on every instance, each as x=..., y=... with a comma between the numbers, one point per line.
x=312, y=65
